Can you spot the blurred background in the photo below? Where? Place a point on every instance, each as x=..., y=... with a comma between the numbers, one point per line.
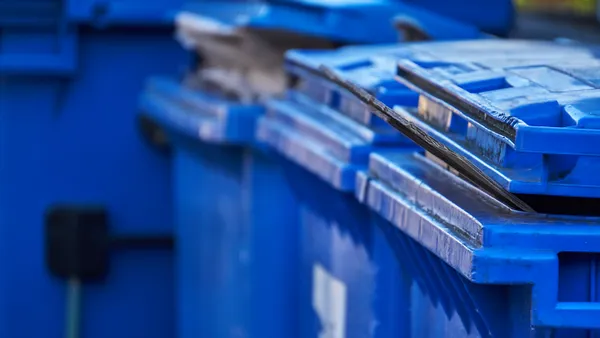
x=553, y=19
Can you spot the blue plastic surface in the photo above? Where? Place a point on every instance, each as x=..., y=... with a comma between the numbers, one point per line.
x=370, y=67
x=458, y=275
x=75, y=140
x=373, y=68
x=41, y=37
x=207, y=117
x=325, y=142
x=97, y=12
x=348, y=278
x=35, y=39
x=532, y=127
x=476, y=268
x=119, y=12
x=346, y=21
x=464, y=69
x=235, y=216
x=247, y=297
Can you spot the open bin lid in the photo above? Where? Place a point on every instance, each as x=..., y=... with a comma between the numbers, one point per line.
x=241, y=44
x=342, y=21
x=350, y=21
x=371, y=58
x=246, y=40
x=373, y=68
x=530, y=125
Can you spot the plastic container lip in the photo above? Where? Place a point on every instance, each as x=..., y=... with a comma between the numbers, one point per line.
x=482, y=206
x=186, y=111
x=522, y=182
x=481, y=175
x=441, y=51
x=350, y=58
x=485, y=111
x=459, y=210
x=553, y=205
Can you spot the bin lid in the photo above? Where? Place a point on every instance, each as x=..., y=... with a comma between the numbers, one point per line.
x=374, y=64
x=343, y=21
x=319, y=137
x=309, y=126
x=185, y=109
x=373, y=68
x=531, y=124
x=321, y=140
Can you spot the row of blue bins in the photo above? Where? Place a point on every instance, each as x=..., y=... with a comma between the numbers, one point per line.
x=246, y=217
x=292, y=204
x=304, y=212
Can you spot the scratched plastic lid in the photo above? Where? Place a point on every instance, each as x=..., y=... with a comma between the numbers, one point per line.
x=373, y=68
x=344, y=21
x=531, y=125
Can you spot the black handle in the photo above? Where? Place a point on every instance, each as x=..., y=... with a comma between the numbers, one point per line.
x=142, y=242
x=78, y=242
x=153, y=133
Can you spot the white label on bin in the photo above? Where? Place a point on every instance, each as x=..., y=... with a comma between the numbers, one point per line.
x=329, y=301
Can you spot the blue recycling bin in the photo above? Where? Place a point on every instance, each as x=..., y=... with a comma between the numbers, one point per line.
x=70, y=74
x=352, y=272
x=232, y=215
x=473, y=265
x=235, y=216
x=347, y=277
x=235, y=213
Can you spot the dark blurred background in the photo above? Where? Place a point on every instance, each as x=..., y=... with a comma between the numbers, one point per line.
x=550, y=19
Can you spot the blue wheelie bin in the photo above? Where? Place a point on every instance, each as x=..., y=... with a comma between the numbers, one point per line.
x=235, y=213
x=351, y=284
x=342, y=256
x=479, y=263
x=234, y=221
x=85, y=227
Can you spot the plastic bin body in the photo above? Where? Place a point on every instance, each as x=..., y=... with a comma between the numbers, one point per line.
x=69, y=136
x=346, y=275
x=234, y=217
x=373, y=68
